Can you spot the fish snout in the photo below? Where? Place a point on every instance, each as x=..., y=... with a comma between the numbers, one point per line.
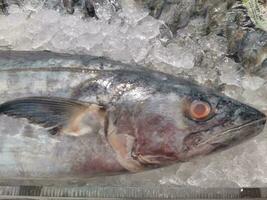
x=252, y=121
x=252, y=115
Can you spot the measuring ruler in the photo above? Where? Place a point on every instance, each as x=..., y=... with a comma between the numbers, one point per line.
x=119, y=193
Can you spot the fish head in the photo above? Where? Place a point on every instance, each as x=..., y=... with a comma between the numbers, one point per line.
x=178, y=125
x=227, y=122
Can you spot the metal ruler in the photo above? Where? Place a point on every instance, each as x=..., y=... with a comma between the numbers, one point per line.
x=118, y=193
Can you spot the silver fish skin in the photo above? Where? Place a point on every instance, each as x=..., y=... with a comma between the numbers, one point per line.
x=76, y=116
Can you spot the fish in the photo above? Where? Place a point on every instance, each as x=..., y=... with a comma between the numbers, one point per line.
x=79, y=116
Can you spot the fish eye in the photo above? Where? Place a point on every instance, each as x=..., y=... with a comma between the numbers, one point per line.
x=199, y=110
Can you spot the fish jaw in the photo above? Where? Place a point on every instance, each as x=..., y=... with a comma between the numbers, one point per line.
x=238, y=134
x=250, y=121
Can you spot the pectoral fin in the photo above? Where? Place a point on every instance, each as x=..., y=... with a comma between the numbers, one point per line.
x=57, y=114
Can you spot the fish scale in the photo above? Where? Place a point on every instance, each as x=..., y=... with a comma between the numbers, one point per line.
x=39, y=83
x=46, y=59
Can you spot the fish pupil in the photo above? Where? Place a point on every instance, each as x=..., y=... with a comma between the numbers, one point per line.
x=200, y=110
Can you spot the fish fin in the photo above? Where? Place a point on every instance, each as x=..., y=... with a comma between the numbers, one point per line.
x=56, y=114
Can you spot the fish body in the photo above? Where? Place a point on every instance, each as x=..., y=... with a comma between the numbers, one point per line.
x=64, y=116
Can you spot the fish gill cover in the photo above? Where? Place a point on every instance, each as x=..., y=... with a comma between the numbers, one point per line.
x=215, y=43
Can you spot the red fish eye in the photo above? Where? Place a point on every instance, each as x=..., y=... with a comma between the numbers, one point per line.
x=199, y=110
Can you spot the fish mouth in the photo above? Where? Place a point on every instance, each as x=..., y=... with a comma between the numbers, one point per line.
x=201, y=143
x=238, y=134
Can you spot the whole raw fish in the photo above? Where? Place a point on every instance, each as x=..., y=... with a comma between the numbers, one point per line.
x=65, y=116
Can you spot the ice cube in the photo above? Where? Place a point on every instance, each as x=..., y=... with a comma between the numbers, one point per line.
x=230, y=72
x=252, y=82
x=174, y=55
